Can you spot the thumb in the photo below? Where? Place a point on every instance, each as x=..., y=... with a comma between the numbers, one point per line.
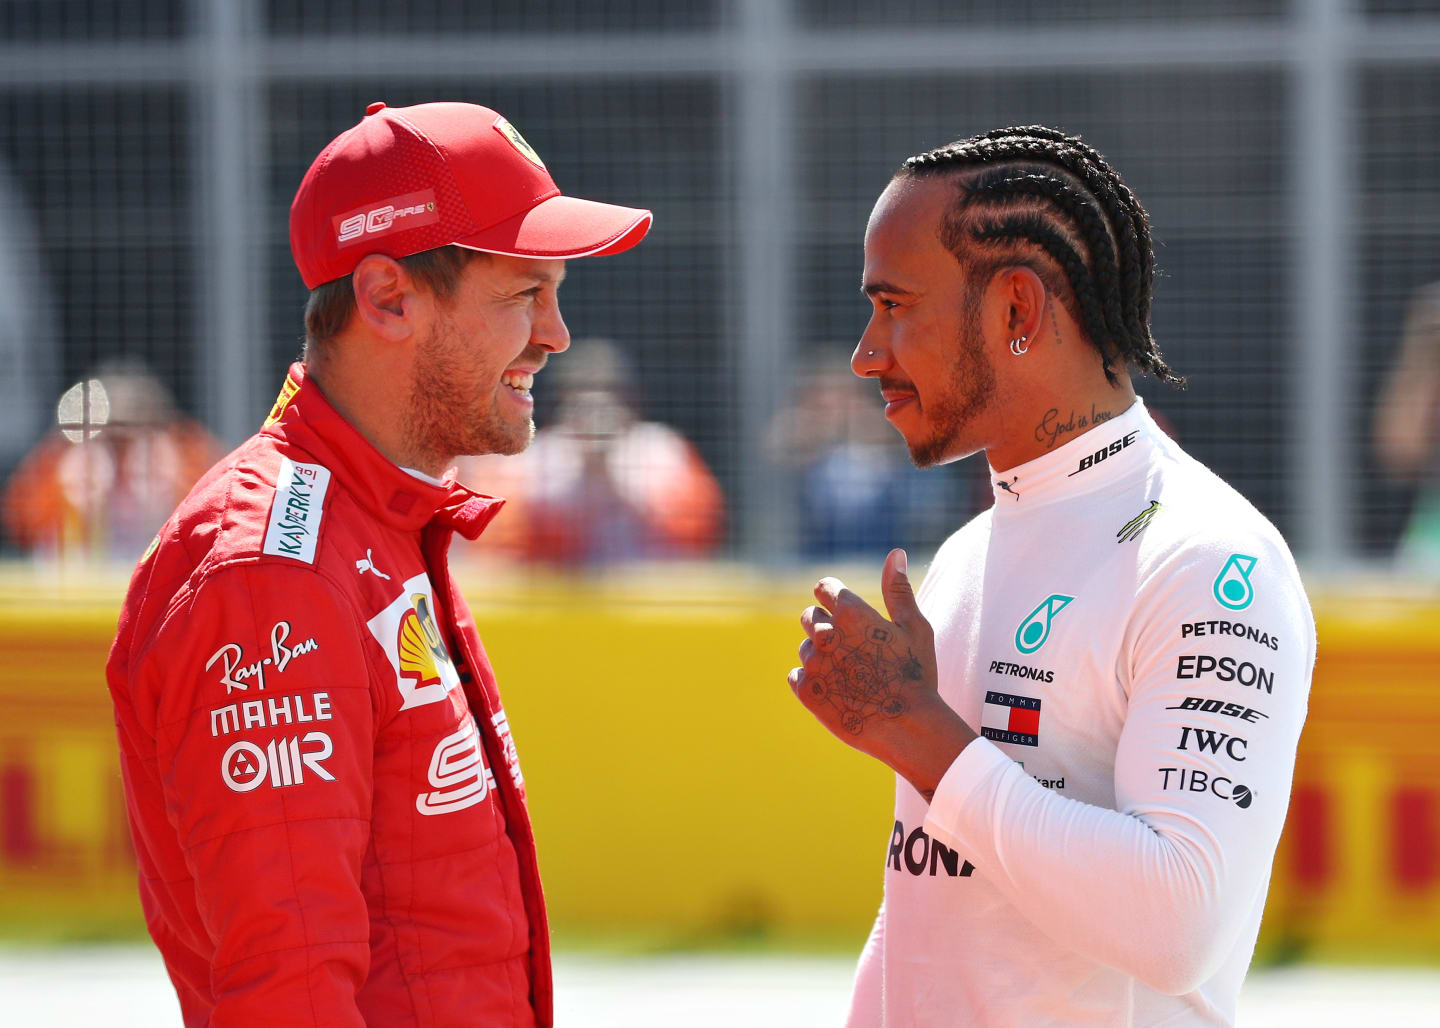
x=899, y=595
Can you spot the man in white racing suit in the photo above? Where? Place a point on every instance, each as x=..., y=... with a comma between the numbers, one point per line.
x=1093, y=704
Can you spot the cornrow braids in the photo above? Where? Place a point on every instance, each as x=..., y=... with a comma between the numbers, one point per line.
x=1140, y=220
x=1033, y=187
x=1035, y=229
x=1095, y=233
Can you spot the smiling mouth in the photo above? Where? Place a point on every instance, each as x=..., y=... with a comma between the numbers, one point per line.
x=896, y=397
x=518, y=381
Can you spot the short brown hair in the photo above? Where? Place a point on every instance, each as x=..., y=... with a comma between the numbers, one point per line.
x=330, y=305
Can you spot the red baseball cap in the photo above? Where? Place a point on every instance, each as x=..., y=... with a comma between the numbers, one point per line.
x=408, y=179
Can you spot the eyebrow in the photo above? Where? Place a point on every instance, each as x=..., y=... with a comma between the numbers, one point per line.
x=539, y=279
x=871, y=288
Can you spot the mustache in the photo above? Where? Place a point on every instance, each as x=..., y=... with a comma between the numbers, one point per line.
x=895, y=383
x=533, y=355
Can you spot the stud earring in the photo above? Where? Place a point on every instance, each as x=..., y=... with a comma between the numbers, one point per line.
x=1017, y=346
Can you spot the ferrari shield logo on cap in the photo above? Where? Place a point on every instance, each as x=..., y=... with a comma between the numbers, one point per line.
x=511, y=133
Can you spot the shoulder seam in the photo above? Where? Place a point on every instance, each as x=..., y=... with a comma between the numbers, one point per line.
x=203, y=575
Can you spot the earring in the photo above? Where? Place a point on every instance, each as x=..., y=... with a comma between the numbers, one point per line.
x=1017, y=346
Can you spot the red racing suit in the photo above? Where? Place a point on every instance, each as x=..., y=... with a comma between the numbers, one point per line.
x=325, y=800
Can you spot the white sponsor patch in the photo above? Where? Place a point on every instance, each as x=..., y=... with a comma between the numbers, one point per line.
x=294, y=523
x=410, y=636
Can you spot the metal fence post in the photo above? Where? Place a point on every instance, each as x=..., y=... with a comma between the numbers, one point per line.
x=1323, y=176
x=229, y=160
x=764, y=298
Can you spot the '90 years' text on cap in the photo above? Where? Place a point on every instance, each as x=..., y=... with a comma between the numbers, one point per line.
x=409, y=179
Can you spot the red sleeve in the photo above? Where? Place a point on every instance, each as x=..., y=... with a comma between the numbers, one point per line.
x=265, y=739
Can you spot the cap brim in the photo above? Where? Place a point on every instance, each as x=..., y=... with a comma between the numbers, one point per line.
x=561, y=227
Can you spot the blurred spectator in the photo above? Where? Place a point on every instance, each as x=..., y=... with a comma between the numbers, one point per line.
x=856, y=490
x=104, y=480
x=599, y=485
x=1406, y=422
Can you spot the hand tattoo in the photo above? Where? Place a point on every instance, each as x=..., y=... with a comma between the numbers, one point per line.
x=866, y=678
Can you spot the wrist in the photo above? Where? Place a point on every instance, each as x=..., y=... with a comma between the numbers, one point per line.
x=934, y=737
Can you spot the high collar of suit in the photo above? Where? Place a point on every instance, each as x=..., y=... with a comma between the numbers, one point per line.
x=1103, y=453
x=303, y=417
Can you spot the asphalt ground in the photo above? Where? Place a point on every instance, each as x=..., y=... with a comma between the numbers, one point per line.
x=121, y=986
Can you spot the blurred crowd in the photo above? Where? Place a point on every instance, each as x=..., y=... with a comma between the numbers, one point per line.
x=101, y=482
x=1407, y=429
x=603, y=484
x=600, y=484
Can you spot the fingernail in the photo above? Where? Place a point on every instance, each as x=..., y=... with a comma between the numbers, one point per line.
x=904, y=563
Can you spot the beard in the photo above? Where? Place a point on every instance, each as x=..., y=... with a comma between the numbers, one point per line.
x=968, y=391
x=449, y=414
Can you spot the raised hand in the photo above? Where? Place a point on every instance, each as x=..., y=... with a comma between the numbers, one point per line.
x=872, y=681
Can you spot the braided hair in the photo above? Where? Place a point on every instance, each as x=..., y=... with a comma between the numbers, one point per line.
x=1033, y=195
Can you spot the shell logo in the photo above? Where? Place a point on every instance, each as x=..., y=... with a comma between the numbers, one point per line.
x=406, y=629
x=421, y=649
x=416, y=661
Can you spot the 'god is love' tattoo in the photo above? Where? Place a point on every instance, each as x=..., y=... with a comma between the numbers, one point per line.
x=1051, y=428
x=865, y=678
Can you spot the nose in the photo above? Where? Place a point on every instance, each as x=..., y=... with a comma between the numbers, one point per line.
x=871, y=357
x=548, y=330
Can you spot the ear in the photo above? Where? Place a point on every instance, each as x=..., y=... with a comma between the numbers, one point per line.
x=387, y=301
x=1022, y=297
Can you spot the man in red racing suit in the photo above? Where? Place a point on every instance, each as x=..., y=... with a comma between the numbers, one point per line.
x=324, y=796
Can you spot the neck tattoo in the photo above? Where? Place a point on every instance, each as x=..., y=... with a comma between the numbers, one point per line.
x=1051, y=427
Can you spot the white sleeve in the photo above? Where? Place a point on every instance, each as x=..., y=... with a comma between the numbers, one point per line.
x=867, y=997
x=1162, y=886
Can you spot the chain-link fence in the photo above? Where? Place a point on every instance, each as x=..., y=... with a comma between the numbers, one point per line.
x=1285, y=150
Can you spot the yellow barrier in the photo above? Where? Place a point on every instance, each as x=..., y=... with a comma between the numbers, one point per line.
x=679, y=792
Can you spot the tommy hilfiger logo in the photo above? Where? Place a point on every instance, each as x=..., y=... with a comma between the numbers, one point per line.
x=1010, y=718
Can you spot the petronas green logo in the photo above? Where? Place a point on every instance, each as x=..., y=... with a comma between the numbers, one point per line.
x=1035, y=629
x=1232, y=588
